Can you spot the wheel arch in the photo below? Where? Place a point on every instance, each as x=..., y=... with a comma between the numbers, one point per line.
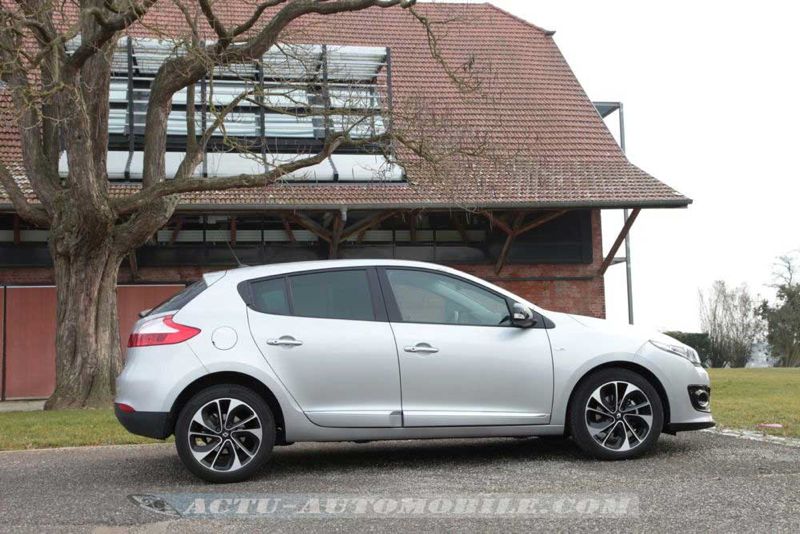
x=240, y=379
x=646, y=373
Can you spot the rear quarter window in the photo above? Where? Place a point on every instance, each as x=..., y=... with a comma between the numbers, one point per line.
x=180, y=299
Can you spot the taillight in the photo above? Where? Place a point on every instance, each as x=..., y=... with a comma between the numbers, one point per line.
x=125, y=408
x=161, y=331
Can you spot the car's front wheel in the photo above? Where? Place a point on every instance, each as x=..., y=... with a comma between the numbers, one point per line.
x=615, y=414
x=225, y=433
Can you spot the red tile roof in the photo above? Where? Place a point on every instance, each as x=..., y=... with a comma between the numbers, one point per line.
x=548, y=145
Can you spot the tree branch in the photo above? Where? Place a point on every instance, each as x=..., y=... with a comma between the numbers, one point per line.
x=33, y=214
x=214, y=22
x=245, y=26
x=107, y=28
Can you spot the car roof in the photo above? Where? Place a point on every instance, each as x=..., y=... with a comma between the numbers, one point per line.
x=246, y=273
x=235, y=276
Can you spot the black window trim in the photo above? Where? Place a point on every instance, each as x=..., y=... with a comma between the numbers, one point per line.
x=373, y=286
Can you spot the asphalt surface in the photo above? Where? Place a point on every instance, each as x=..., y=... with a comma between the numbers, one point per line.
x=695, y=481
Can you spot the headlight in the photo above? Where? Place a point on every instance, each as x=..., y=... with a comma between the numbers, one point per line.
x=680, y=350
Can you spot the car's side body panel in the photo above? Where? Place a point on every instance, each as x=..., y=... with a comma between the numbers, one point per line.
x=458, y=384
x=343, y=375
x=366, y=382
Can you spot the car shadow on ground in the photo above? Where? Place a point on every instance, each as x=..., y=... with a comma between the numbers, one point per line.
x=319, y=459
x=419, y=454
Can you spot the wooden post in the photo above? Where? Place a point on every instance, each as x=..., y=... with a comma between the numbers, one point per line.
x=134, y=265
x=288, y=229
x=17, y=233
x=176, y=231
x=462, y=230
x=336, y=236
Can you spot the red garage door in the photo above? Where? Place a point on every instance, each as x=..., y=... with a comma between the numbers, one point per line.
x=2, y=341
x=30, y=330
x=30, y=356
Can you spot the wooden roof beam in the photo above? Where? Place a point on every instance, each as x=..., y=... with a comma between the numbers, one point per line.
x=620, y=238
x=311, y=225
x=540, y=221
x=501, y=259
x=365, y=224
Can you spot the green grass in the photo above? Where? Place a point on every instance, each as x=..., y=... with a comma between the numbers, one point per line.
x=63, y=428
x=743, y=398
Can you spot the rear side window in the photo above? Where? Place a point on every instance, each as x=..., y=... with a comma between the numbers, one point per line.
x=332, y=295
x=181, y=299
x=269, y=296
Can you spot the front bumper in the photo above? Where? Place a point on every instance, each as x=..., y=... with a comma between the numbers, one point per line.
x=156, y=425
x=679, y=378
x=673, y=428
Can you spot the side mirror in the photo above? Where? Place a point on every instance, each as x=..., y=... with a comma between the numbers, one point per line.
x=522, y=316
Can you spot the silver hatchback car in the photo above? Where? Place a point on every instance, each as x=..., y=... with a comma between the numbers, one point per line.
x=356, y=350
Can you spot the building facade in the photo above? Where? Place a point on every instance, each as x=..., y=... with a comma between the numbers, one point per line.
x=524, y=214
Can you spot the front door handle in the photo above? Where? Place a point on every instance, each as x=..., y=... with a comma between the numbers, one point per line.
x=285, y=341
x=421, y=347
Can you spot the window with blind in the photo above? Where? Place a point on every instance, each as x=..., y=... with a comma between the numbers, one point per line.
x=275, y=111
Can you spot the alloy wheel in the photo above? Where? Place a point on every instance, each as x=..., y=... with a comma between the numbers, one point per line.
x=225, y=434
x=619, y=416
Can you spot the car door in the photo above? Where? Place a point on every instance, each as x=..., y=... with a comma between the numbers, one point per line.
x=461, y=362
x=326, y=337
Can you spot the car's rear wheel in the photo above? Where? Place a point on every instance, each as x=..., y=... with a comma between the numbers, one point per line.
x=615, y=414
x=225, y=433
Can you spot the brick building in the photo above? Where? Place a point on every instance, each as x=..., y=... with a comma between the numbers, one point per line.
x=529, y=222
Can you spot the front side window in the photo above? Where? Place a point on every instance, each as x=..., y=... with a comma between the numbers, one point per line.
x=332, y=295
x=425, y=297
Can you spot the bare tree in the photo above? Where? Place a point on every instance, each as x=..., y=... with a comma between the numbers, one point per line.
x=783, y=317
x=731, y=319
x=55, y=62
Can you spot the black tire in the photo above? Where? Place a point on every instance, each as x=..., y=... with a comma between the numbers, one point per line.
x=250, y=465
x=579, y=422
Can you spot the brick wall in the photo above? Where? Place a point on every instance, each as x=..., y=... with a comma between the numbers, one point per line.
x=571, y=288
x=567, y=288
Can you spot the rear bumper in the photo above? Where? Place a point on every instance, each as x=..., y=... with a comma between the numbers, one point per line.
x=149, y=424
x=672, y=428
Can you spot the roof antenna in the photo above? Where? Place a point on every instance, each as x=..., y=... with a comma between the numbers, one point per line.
x=235, y=257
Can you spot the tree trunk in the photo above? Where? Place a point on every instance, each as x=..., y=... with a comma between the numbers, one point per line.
x=88, y=356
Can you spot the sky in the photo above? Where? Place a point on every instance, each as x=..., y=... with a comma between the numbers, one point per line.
x=711, y=92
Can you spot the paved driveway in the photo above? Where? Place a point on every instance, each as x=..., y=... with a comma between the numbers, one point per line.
x=696, y=482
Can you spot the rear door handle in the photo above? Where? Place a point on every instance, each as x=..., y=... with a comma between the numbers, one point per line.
x=285, y=341
x=421, y=347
